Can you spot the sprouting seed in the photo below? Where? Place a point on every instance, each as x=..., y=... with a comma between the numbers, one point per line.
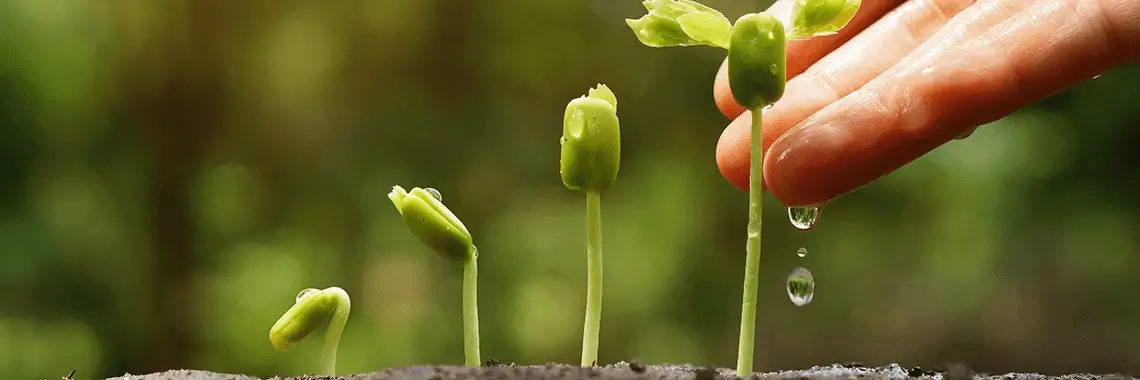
x=313, y=308
x=437, y=227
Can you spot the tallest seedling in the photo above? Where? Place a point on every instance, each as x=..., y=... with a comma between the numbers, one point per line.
x=591, y=154
x=756, y=75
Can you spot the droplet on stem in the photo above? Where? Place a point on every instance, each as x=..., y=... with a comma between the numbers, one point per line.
x=803, y=218
x=801, y=286
x=801, y=252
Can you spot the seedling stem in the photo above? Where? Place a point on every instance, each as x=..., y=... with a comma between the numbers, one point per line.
x=593, y=278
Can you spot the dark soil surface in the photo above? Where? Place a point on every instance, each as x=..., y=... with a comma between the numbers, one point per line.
x=635, y=370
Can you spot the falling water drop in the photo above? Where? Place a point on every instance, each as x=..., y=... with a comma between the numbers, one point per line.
x=801, y=252
x=801, y=286
x=803, y=218
x=303, y=293
x=965, y=134
x=434, y=193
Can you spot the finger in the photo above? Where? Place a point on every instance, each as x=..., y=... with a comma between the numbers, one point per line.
x=802, y=53
x=844, y=70
x=916, y=107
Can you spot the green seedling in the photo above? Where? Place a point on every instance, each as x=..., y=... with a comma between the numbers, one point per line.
x=757, y=77
x=591, y=154
x=314, y=308
x=438, y=228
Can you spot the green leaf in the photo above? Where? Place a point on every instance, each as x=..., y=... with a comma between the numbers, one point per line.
x=603, y=92
x=681, y=23
x=811, y=18
x=707, y=29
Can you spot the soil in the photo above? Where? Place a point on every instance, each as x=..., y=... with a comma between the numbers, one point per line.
x=633, y=370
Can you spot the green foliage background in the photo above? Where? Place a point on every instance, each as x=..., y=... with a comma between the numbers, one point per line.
x=173, y=172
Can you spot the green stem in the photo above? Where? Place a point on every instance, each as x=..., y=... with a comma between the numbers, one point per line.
x=471, y=310
x=332, y=334
x=752, y=266
x=593, y=279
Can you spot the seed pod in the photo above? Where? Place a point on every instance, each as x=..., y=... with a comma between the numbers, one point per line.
x=756, y=60
x=591, y=141
x=433, y=223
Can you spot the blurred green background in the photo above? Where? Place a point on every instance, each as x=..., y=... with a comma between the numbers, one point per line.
x=172, y=173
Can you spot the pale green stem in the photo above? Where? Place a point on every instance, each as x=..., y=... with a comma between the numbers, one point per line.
x=593, y=279
x=332, y=334
x=752, y=265
x=471, y=310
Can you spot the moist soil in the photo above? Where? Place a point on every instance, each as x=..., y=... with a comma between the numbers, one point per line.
x=632, y=370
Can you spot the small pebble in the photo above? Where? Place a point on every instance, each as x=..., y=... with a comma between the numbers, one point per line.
x=637, y=366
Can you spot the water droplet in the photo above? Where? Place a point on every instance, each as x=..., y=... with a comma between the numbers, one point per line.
x=801, y=252
x=773, y=68
x=801, y=286
x=803, y=218
x=304, y=293
x=1097, y=76
x=434, y=193
x=965, y=134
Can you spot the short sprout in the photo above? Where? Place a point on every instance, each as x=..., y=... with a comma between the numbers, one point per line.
x=312, y=309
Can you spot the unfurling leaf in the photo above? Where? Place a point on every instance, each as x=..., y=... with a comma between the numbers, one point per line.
x=812, y=18
x=681, y=23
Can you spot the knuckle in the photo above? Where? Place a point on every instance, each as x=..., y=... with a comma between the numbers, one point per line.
x=1118, y=21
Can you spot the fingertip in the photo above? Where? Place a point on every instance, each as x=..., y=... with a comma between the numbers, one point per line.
x=846, y=145
x=796, y=165
x=722, y=94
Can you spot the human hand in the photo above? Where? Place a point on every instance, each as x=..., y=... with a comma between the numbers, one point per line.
x=905, y=77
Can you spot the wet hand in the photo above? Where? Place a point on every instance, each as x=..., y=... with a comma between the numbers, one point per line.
x=905, y=77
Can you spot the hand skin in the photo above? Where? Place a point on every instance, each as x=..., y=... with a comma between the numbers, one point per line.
x=905, y=77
